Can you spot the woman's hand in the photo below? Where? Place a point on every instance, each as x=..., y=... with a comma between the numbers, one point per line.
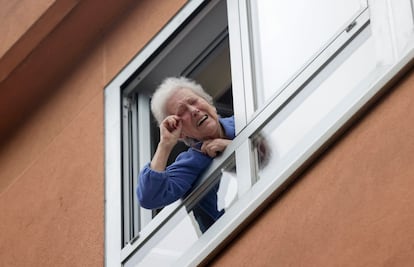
x=170, y=131
x=213, y=147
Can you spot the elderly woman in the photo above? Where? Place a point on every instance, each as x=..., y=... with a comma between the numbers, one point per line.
x=184, y=112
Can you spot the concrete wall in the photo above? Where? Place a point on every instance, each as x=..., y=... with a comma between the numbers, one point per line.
x=55, y=59
x=354, y=207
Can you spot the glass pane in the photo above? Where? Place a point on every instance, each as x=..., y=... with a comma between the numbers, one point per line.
x=316, y=108
x=287, y=34
x=227, y=190
x=172, y=246
x=189, y=223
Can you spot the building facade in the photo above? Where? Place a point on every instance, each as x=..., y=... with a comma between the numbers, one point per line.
x=319, y=173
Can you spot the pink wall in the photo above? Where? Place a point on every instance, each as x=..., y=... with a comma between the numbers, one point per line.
x=51, y=153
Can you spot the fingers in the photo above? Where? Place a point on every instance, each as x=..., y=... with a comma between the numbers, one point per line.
x=214, y=147
x=171, y=123
x=170, y=130
x=210, y=152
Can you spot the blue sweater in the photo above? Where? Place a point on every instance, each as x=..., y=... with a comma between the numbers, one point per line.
x=158, y=189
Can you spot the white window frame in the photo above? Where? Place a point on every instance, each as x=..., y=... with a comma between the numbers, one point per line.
x=392, y=27
x=113, y=140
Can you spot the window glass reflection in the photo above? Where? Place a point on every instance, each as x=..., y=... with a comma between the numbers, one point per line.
x=312, y=111
x=227, y=190
x=188, y=223
x=287, y=34
x=219, y=197
x=181, y=237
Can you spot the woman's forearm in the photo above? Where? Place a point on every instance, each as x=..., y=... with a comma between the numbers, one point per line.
x=160, y=159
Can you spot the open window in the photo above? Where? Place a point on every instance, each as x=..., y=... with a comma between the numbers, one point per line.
x=198, y=49
x=291, y=90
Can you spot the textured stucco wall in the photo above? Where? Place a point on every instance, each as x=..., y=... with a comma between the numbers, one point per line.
x=51, y=167
x=354, y=207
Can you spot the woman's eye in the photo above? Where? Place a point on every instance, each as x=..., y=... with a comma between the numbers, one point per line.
x=180, y=111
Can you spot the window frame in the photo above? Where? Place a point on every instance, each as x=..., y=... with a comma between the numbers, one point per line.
x=393, y=63
x=113, y=134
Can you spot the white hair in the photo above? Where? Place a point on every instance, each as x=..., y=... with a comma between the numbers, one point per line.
x=167, y=88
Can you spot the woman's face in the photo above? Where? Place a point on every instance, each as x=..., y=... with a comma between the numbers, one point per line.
x=199, y=118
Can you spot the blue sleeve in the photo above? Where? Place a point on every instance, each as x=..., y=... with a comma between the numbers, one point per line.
x=158, y=189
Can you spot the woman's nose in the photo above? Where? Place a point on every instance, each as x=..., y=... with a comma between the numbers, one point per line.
x=194, y=111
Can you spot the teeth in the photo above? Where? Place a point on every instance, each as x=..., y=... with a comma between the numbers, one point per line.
x=202, y=120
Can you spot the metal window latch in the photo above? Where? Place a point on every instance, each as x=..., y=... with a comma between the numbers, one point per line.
x=351, y=26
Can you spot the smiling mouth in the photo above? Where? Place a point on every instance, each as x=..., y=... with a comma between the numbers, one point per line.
x=203, y=119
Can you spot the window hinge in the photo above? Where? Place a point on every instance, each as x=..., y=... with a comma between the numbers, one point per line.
x=128, y=103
